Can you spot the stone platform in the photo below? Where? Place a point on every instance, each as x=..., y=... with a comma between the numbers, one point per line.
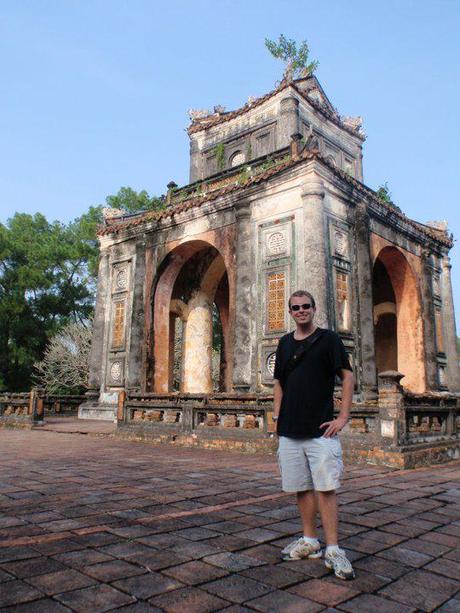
x=89, y=522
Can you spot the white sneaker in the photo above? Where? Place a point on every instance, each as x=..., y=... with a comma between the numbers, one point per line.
x=301, y=549
x=338, y=562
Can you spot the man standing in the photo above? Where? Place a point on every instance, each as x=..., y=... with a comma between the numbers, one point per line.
x=310, y=454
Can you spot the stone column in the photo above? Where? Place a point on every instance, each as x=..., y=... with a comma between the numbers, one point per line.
x=244, y=335
x=364, y=304
x=429, y=333
x=288, y=123
x=99, y=324
x=392, y=413
x=197, y=347
x=316, y=268
x=137, y=324
x=449, y=329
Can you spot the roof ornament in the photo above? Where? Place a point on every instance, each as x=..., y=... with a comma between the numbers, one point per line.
x=354, y=123
x=197, y=114
x=219, y=109
x=251, y=100
x=441, y=225
x=109, y=213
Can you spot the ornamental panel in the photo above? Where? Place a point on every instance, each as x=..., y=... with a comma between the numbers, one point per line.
x=276, y=301
x=118, y=325
x=276, y=243
x=116, y=372
x=439, y=334
x=342, y=301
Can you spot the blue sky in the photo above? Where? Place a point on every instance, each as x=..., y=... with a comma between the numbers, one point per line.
x=94, y=94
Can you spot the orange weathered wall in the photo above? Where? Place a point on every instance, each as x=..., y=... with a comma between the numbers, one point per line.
x=404, y=270
x=223, y=240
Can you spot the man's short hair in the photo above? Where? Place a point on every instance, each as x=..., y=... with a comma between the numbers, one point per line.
x=299, y=293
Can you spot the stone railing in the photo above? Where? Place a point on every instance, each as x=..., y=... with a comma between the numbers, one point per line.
x=417, y=428
x=221, y=418
x=29, y=408
x=21, y=409
x=399, y=429
x=63, y=405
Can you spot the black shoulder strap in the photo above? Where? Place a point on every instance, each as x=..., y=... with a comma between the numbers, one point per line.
x=300, y=353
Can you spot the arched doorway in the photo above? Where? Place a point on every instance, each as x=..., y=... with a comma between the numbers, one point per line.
x=190, y=321
x=398, y=327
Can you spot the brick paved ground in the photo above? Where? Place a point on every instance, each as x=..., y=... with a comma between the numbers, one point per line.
x=95, y=524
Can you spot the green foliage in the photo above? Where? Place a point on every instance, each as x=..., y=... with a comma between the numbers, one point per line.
x=46, y=280
x=244, y=175
x=296, y=60
x=383, y=192
x=131, y=201
x=219, y=150
x=267, y=164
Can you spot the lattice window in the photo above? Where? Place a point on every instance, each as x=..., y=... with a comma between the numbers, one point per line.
x=118, y=324
x=276, y=301
x=439, y=334
x=343, y=309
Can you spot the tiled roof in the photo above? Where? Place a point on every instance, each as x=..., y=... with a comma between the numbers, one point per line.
x=196, y=201
x=218, y=118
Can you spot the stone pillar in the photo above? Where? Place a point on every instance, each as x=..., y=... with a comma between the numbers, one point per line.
x=288, y=123
x=449, y=329
x=99, y=323
x=316, y=269
x=196, y=161
x=429, y=333
x=245, y=283
x=365, y=306
x=392, y=413
x=137, y=324
x=197, y=353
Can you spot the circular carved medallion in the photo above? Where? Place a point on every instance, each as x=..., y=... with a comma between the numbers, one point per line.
x=122, y=279
x=276, y=243
x=237, y=159
x=270, y=363
x=115, y=371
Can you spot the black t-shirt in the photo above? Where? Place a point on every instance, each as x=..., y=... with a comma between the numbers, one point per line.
x=308, y=388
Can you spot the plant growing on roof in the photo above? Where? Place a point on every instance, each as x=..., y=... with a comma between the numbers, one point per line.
x=296, y=60
x=384, y=194
x=220, y=156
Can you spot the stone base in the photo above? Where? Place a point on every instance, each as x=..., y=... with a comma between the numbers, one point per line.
x=218, y=440
x=94, y=410
x=405, y=457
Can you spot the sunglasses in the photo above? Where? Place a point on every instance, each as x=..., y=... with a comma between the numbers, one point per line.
x=297, y=307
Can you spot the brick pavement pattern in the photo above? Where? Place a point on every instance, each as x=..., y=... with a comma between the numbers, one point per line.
x=98, y=524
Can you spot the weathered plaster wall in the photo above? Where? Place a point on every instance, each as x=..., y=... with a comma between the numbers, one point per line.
x=405, y=269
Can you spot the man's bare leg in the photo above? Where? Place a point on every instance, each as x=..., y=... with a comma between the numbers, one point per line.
x=327, y=502
x=306, y=502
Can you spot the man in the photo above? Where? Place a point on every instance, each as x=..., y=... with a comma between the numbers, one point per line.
x=310, y=454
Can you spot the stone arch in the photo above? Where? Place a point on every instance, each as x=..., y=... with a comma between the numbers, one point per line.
x=187, y=284
x=398, y=326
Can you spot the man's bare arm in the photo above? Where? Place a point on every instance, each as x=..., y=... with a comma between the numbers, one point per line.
x=277, y=397
x=334, y=426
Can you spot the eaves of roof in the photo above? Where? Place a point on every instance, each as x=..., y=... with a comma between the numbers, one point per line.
x=194, y=202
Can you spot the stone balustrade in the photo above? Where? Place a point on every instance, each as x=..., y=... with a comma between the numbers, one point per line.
x=26, y=409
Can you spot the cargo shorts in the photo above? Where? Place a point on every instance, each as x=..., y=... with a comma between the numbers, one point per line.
x=310, y=464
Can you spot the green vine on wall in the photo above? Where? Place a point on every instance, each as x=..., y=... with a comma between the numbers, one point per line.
x=220, y=156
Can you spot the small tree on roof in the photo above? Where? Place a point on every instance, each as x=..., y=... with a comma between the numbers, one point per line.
x=296, y=60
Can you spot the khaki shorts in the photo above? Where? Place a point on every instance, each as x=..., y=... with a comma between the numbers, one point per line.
x=310, y=464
